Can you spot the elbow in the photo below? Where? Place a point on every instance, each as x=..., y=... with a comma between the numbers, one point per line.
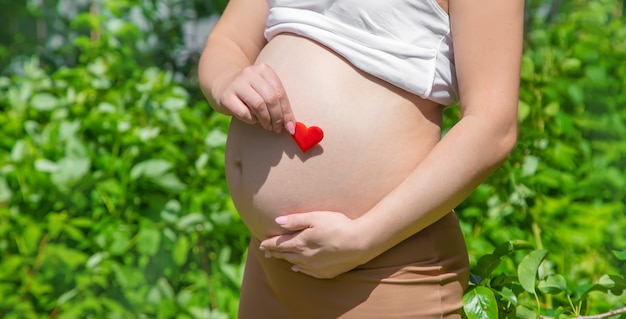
x=203, y=76
x=499, y=130
x=206, y=80
x=506, y=142
x=495, y=136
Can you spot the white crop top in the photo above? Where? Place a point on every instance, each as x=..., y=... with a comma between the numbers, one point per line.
x=404, y=42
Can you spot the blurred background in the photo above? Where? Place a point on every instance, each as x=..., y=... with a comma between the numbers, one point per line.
x=113, y=202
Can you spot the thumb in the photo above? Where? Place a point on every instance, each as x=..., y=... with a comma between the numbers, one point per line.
x=293, y=222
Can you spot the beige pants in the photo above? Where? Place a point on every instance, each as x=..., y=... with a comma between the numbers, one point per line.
x=423, y=277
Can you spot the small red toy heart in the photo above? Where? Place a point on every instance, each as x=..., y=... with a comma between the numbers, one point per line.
x=307, y=137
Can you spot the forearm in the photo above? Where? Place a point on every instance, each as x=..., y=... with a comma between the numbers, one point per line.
x=231, y=80
x=221, y=60
x=233, y=45
x=487, y=49
x=470, y=151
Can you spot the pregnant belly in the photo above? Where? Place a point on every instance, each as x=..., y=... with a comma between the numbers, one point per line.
x=374, y=136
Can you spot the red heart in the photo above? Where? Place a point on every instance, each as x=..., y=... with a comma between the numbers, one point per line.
x=307, y=137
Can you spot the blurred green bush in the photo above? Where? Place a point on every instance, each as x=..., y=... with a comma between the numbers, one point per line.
x=113, y=201
x=112, y=195
x=564, y=187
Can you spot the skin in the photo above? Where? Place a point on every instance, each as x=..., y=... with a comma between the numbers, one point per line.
x=487, y=46
x=236, y=86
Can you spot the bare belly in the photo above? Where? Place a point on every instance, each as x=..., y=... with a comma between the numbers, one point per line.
x=374, y=136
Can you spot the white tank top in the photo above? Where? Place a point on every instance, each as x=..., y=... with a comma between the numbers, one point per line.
x=404, y=42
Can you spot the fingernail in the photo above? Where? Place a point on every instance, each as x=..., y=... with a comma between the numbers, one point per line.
x=267, y=254
x=294, y=268
x=281, y=220
x=291, y=127
x=261, y=248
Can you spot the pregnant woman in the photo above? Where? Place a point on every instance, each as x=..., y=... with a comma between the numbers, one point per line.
x=361, y=225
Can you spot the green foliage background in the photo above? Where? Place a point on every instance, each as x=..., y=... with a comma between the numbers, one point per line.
x=113, y=201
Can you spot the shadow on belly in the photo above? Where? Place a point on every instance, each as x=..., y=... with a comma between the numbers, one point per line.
x=265, y=170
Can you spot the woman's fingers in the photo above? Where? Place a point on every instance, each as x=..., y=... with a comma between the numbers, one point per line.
x=265, y=97
x=238, y=107
x=277, y=100
x=252, y=89
x=256, y=95
x=295, y=260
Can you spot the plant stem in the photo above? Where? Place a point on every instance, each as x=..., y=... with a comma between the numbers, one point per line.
x=93, y=10
x=539, y=243
x=611, y=313
x=537, y=235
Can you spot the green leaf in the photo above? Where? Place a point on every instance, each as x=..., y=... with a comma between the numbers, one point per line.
x=70, y=169
x=106, y=107
x=181, y=250
x=154, y=296
x=216, y=138
x=148, y=133
x=487, y=264
x=71, y=257
x=174, y=103
x=509, y=295
x=615, y=284
x=528, y=68
x=552, y=108
x=523, y=312
x=95, y=260
x=165, y=288
x=184, y=297
x=230, y=272
x=44, y=102
x=606, y=281
x=149, y=241
x=19, y=151
x=56, y=222
x=119, y=242
x=150, y=168
x=69, y=295
x=31, y=236
x=46, y=165
x=82, y=222
x=85, y=21
x=576, y=94
x=201, y=162
x=98, y=67
x=68, y=132
x=531, y=163
x=553, y=284
x=128, y=277
x=170, y=182
x=4, y=82
x=74, y=233
x=512, y=246
x=11, y=266
x=621, y=255
x=528, y=268
x=571, y=65
x=480, y=303
x=5, y=191
x=161, y=291
x=171, y=211
x=189, y=222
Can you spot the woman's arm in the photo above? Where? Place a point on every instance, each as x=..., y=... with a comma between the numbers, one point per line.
x=487, y=37
x=228, y=76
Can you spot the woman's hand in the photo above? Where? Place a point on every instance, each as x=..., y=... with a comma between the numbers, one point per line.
x=322, y=244
x=256, y=95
